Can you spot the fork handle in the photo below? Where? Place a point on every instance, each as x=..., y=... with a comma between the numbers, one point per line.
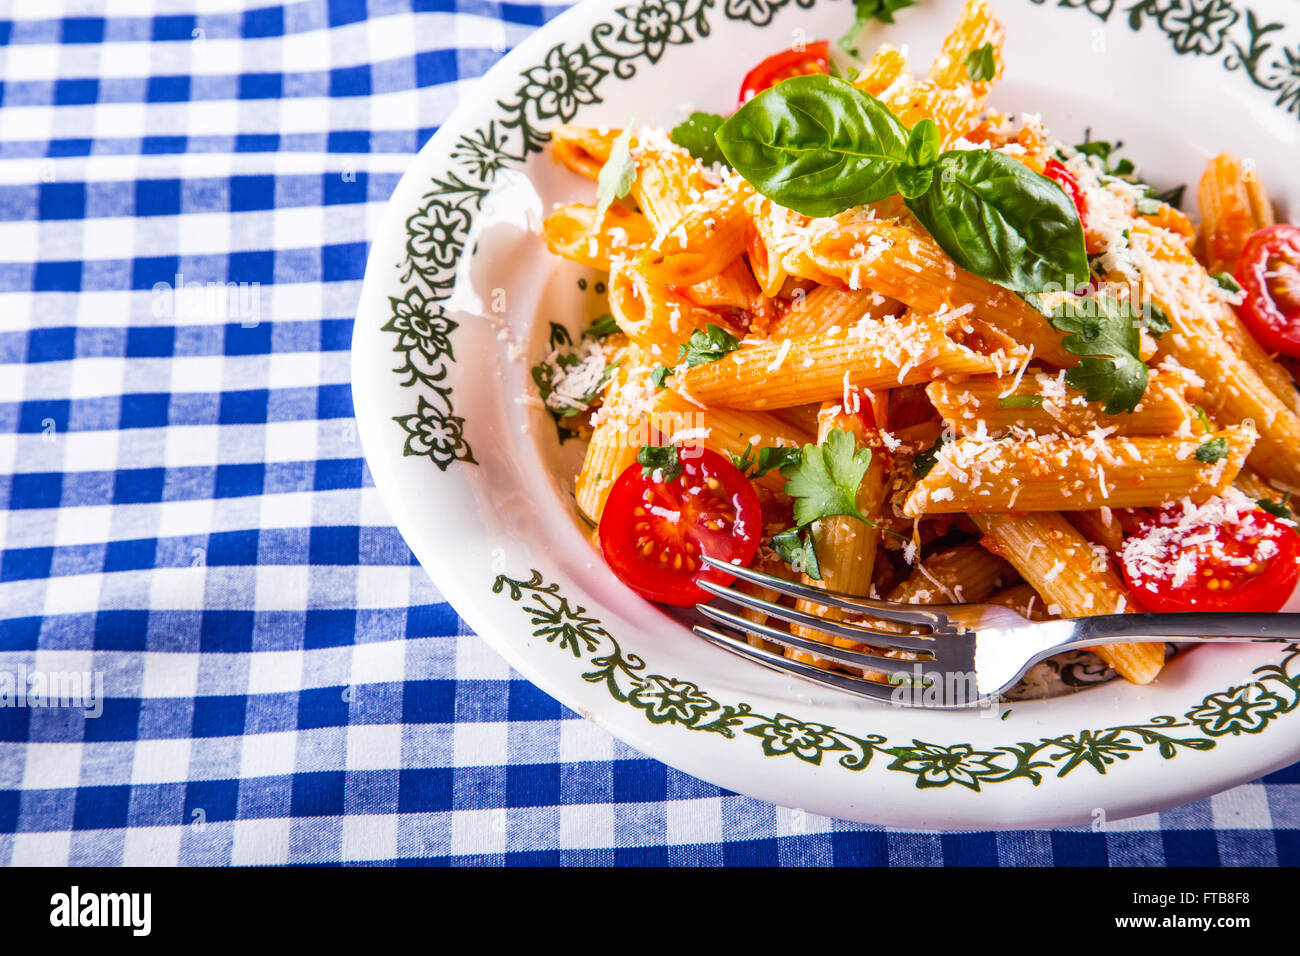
x=1194, y=626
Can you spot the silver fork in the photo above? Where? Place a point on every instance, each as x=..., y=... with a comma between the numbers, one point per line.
x=964, y=654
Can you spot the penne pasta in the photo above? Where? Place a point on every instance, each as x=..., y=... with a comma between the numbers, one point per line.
x=966, y=574
x=572, y=232
x=976, y=28
x=936, y=433
x=828, y=306
x=582, y=149
x=1241, y=382
x=948, y=95
x=640, y=417
x=708, y=237
x=1099, y=527
x=864, y=253
x=653, y=316
x=1073, y=580
x=1057, y=473
x=668, y=180
x=1042, y=403
x=734, y=288
x=1233, y=205
x=845, y=546
x=817, y=368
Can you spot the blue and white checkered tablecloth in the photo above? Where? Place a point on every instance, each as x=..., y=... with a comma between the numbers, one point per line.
x=184, y=509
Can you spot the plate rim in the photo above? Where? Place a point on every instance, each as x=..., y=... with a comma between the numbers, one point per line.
x=471, y=606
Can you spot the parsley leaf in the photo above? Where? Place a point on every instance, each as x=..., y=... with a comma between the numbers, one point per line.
x=542, y=373
x=659, y=375
x=795, y=547
x=1102, y=149
x=548, y=378
x=1203, y=418
x=1214, y=450
x=1156, y=321
x=698, y=136
x=601, y=327
x=707, y=345
x=867, y=10
x=617, y=175
x=769, y=457
x=1107, y=335
x=981, y=64
x=1226, y=280
x=1277, y=509
x=925, y=461
x=1147, y=205
x=824, y=481
x=1021, y=401
x=660, y=458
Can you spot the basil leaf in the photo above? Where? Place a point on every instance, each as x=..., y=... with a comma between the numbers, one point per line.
x=816, y=145
x=660, y=375
x=617, y=175
x=1214, y=450
x=981, y=64
x=1002, y=221
x=923, y=144
x=698, y=136
x=913, y=181
x=917, y=172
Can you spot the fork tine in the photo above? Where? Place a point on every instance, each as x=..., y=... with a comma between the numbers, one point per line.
x=853, y=685
x=916, y=615
x=863, y=635
x=841, y=655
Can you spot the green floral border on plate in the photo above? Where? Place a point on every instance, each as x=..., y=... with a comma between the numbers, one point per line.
x=553, y=91
x=1244, y=40
x=1242, y=709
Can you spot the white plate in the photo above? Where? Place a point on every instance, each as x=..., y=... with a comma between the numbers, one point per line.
x=458, y=280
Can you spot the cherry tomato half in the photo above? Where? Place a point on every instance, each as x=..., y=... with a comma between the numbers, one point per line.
x=1268, y=271
x=1191, y=563
x=652, y=533
x=1061, y=174
x=796, y=61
